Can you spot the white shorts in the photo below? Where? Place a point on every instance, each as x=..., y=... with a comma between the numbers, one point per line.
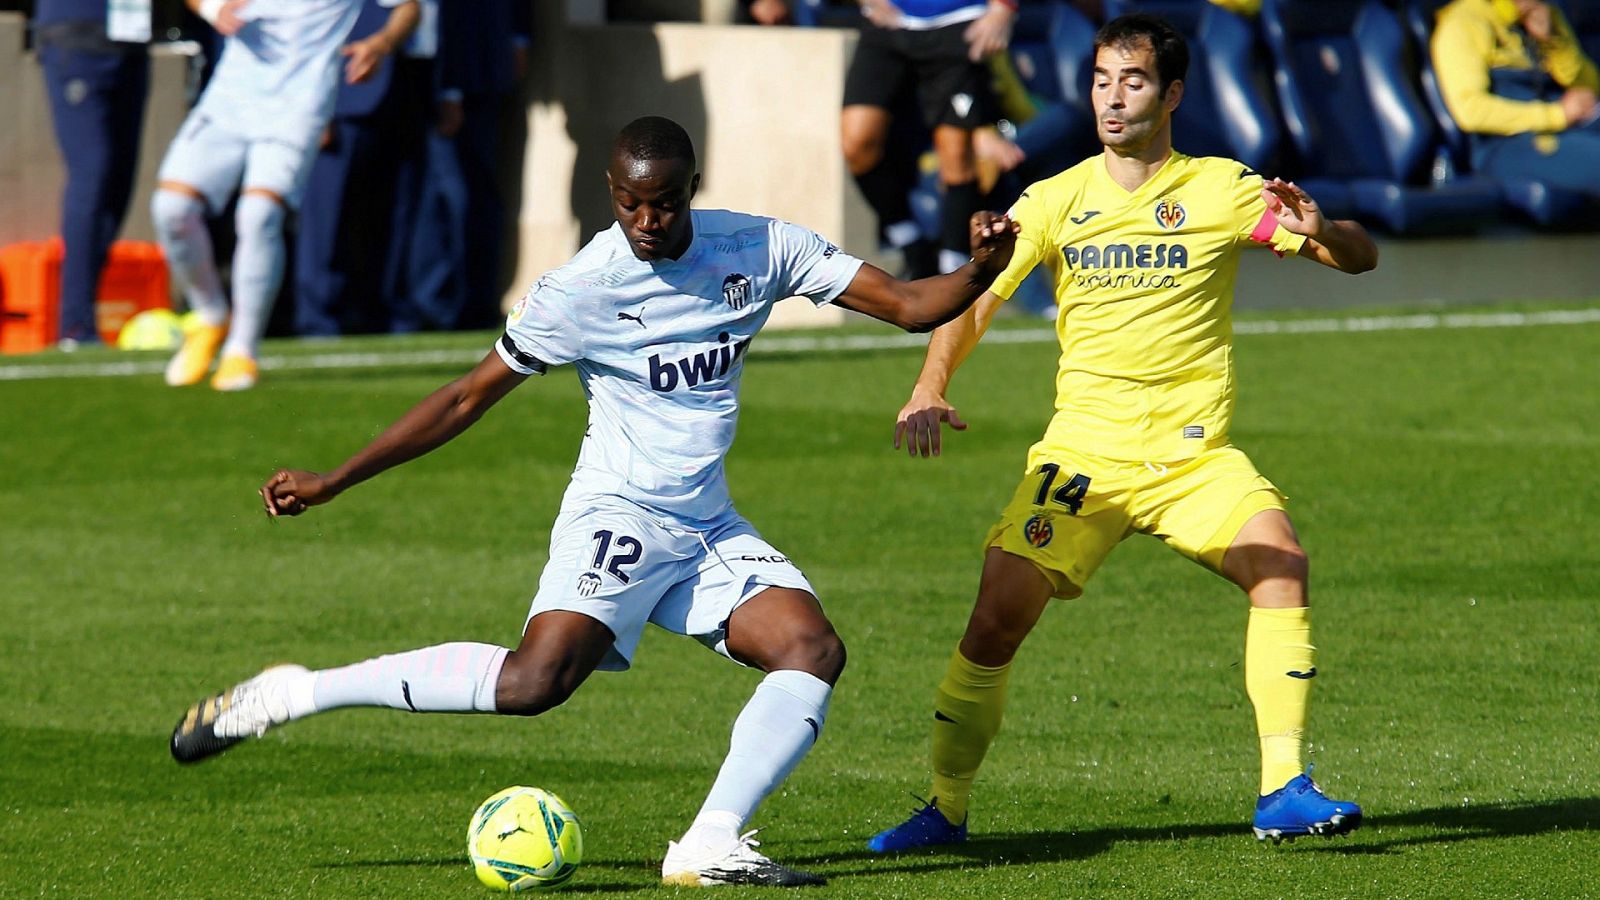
x=624, y=567
x=216, y=159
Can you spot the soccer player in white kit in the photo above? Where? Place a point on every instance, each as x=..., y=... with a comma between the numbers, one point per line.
x=257, y=124
x=656, y=314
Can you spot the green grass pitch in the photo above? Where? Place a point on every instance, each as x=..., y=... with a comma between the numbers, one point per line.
x=1444, y=482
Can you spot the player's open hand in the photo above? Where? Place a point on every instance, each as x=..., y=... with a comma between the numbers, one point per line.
x=363, y=58
x=989, y=33
x=882, y=13
x=290, y=492
x=1293, y=208
x=227, y=20
x=919, y=422
x=993, y=236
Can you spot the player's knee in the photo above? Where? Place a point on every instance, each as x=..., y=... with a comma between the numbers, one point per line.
x=992, y=636
x=175, y=214
x=817, y=650
x=862, y=151
x=529, y=688
x=1285, y=561
x=258, y=217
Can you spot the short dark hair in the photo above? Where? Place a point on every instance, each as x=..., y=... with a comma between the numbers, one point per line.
x=1170, y=49
x=654, y=137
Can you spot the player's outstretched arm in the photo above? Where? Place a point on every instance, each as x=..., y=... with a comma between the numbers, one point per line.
x=927, y=303
x=1336, y=243
x=918, y=424
x=444, y=414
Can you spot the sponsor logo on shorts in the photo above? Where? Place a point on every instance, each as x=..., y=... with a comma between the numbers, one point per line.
x=1038, y=531
x=776, y=558
x=588, y=583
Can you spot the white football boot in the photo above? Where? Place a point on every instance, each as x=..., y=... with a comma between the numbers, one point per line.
x=735, y=863
x=247, y=710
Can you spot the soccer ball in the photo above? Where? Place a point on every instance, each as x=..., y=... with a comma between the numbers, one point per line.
x=524, y=839
x=153, y=329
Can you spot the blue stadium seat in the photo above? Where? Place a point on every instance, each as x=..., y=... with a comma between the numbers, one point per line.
x=1353, y=116
x=1052, y=51
x=1542, y=204
x=1227, y=108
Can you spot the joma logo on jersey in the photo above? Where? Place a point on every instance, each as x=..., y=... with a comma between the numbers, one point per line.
x=1127, y=256
x=736, y=290
x=1169, y=213
x=696, y=369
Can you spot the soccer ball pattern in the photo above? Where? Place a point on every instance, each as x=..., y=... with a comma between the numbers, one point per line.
x=524, y=839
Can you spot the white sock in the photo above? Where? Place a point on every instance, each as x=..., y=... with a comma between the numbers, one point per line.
x=180, y=224
x=455, y=677
x=257, y=271
x=773, y=733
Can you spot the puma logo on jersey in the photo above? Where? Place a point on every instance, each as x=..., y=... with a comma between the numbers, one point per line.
x=698, y=368
x=639, y=318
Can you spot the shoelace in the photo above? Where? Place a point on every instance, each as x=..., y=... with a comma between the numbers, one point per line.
x=247, y=710
x=747, y=846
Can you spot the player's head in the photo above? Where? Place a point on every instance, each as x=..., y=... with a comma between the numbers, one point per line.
x=652, y=178
x=1139, y=65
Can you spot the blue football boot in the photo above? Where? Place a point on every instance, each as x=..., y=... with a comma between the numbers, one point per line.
x=1300, y=808
x=927, y=827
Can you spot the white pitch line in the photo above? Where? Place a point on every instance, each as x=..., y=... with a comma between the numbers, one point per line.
x=813, y=343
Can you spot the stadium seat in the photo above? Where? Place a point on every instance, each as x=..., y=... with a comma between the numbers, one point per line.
x=1542, y=204
x=1050, y=49
x=1227, y=108
x=1353, y=116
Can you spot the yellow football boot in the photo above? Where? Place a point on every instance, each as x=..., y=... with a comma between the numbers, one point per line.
x=236, y=373
x=193, y=359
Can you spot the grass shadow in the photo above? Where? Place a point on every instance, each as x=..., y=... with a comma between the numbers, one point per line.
x=1447, y=824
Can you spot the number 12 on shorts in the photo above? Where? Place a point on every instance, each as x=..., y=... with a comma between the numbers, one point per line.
x=628, y=551
x=1069, y=495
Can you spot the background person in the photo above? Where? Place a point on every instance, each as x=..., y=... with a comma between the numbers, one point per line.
x=96, y=64
x=1514, y=78
x=257, y=125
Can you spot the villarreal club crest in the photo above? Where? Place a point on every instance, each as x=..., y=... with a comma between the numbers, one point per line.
x=1170, y=214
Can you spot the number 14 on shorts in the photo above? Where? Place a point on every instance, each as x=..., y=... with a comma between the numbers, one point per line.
x=1070, y=494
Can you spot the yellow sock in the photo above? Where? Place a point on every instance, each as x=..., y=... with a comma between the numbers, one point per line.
x=966, y=717
x=1279, y=663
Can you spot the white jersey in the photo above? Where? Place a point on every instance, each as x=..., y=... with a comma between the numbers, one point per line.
x=659, y=347
x=278, y=74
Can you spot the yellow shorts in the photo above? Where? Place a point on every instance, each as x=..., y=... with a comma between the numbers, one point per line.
x=1072, y=508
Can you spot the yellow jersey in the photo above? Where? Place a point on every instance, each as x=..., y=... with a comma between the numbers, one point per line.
x=1144, y=284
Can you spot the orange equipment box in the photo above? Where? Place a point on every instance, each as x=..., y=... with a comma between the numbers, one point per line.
x=135, y=279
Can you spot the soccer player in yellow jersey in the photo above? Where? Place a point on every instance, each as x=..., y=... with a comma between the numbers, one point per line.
x=1143, y=244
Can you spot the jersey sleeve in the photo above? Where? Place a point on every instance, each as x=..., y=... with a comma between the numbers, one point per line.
x=1256, y=223
x=1037, y=222
x=806, y=265
x=541, y=330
